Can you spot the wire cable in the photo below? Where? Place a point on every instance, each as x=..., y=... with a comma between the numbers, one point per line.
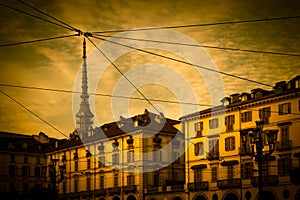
x=100, y=94
x=26, y=13
x=201, y=45
x=124, y=75
x=36, y=115
x=71, y=27
x=204, y=24
x=120, y=96
x=38, y=40
x=184, y=62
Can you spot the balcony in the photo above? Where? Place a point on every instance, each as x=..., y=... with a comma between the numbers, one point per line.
x=198, y=186
x=229, y=183
x=245, y=151
x=284, y=145
x=175, y=185
x=152, y=189
x=213, y=155
x=295, y=175
x=101, y=192
x=129, y=188
x=114, y=190
x=268, y=180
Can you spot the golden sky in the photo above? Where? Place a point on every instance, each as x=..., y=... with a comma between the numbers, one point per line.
x=55, y=64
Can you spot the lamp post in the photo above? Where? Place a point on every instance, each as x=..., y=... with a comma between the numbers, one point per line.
x=53, y=176
x=256, y=140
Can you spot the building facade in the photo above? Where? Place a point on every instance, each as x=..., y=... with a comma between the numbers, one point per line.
x=23, y=165
x=127, y=159
x=220, y=166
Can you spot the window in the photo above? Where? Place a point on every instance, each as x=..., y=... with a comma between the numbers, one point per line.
x=247, y=170
x=297, y=84
x=115, y=159
x=246, y=116
x=130, y=156
x=76, y=165
x=284, y=132
x=24, y=145
x=198, y=149
x=25, y=171
x=214, y=123
x=199, y=129
x=116, y=180
x=101, y=181
x=157, y=156
x=76, y=182
x=265, y=168
x=25, y=188
x=37, y=172
x=38, y=160
x=230, y=144
x=264, y=114
x=64, y=187
x=284, y=108
x=214, y=148
x=130, y=179
x=12, y=170
x=88, y=164
x=12, y=157
x=284, y=166
x=229, y=122
x=230, y=172
x=12, y=188
x=88, y=183
x=25, y=158
x=156, y=178
x=101, y=161
x=197, y=175
x=176, y=157
x=214, y=173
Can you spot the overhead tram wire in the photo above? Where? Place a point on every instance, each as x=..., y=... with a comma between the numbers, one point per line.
x=36, y=115
x=26, y=13
x=38, y=40
x=118, y=96
x=71, y=27
x=137, y=89
x=200, y=45
x=184, y=62
x=100, y=94
x=203, y=24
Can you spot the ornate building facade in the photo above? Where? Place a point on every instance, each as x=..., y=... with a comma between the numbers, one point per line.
x=220, y=165
x=127, y=159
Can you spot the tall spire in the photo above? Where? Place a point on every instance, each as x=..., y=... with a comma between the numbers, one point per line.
x=84, y=115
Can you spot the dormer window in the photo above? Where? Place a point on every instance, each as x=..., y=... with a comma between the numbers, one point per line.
x=297, y=84
x=257, y=95
x=24, y=145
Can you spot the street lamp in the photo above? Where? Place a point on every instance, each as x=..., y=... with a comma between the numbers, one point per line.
x=256, y=139
x=53, y=176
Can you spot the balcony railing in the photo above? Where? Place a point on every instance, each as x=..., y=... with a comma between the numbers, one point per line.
x=129, y=188
x=198, y=186
x=152, y=189
x=283, y=145
x=101, y=192
x=268, y=180
x=177, y=187
x=229, y=183
x=114, y=190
